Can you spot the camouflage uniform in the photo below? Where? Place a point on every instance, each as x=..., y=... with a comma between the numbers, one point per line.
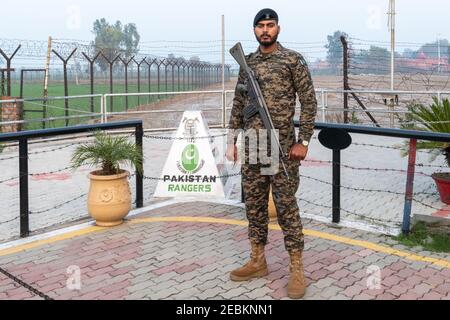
x=281, y=75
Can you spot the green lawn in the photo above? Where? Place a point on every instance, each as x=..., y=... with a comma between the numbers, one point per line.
x=421, y=236
x=79, y=106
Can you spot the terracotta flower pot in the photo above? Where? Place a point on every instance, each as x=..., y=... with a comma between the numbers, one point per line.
x=109, y=200
x=443, y=185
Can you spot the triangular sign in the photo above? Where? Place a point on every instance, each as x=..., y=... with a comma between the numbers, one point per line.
x=190, y=170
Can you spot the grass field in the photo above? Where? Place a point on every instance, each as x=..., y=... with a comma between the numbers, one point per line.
x=81, y=106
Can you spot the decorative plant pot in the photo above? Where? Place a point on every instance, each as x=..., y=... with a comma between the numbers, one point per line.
x=109, y=200
x=443, y=185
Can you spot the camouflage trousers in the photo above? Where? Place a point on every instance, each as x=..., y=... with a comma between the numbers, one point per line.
x=256, y=193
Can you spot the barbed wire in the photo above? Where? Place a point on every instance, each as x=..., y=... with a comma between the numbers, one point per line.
x=362, y=189
x=38, y=174
x=59, y=205
x=386, y=42
x=9, y=221
x=430, y=165
x=25, y=285
x=45, y=151
x=430, y=206
x=10, y=158
x=365, y=169
x=50, y=172
x=65, y=146
x=9, y=179
x=154, y=137
x=214, y=177
x=374, y=220
x=383, y=147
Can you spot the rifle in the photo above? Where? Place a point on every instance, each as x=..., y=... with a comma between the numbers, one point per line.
x=257, y=102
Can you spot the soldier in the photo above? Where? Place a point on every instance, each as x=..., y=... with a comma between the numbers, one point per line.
x=282, y=74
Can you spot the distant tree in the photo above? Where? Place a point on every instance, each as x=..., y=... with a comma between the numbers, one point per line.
x=131, y=39
x=432, y=49
x=115, y=39
x=194, y=59
x=171, y=57
x=409, y=53
x=378, y=53
x=335, y=50
x=378, y=60
x=448, y=52
x=374, y=60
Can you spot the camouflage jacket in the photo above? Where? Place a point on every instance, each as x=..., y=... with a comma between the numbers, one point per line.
x=281, y=75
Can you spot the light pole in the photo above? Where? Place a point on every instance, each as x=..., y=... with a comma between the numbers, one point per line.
x=391, y=22
x=439, y=52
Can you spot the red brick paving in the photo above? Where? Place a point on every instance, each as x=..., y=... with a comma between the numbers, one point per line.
x=181, y=256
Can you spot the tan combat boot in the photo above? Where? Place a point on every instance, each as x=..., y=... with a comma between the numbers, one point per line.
x=297, y=281
x=256, y=267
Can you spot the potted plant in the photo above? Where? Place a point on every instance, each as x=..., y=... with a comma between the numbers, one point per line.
x=109, y=200
x=435, y=118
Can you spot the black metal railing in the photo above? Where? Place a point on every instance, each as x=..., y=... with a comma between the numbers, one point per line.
x=23, y=138
x=339, y=134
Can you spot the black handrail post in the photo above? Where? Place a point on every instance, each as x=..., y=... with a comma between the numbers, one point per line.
x=139, y=175
x=336, y=186
x=24, y=199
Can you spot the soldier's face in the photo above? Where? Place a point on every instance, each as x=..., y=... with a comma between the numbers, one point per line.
x=267, y=32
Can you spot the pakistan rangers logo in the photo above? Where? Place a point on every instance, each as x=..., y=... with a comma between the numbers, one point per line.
x=190, y=160
x=190, y=128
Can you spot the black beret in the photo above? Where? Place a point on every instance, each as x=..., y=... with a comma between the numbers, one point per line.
x=265, y=14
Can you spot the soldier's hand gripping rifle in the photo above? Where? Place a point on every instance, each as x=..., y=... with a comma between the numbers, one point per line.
x=257, y=102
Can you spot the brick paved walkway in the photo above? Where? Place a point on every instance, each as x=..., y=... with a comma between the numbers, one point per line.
x=158, y=255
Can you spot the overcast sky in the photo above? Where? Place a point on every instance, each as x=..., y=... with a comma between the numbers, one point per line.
x=199, y=20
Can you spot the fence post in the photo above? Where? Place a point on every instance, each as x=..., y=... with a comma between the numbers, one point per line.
x=139, y=77
x=91, y=77
x=66, y=84
x=323, y=105
x=178, y=70
x=172, y=63
x=111, y=80
x=184, y=76
x=126, y=64
x=23, y=187
x=158, y=64
x=409, y=186
x=224, y=109
x=8, y=68
x=165, y=74
x=189, y=77
x=103, y=108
